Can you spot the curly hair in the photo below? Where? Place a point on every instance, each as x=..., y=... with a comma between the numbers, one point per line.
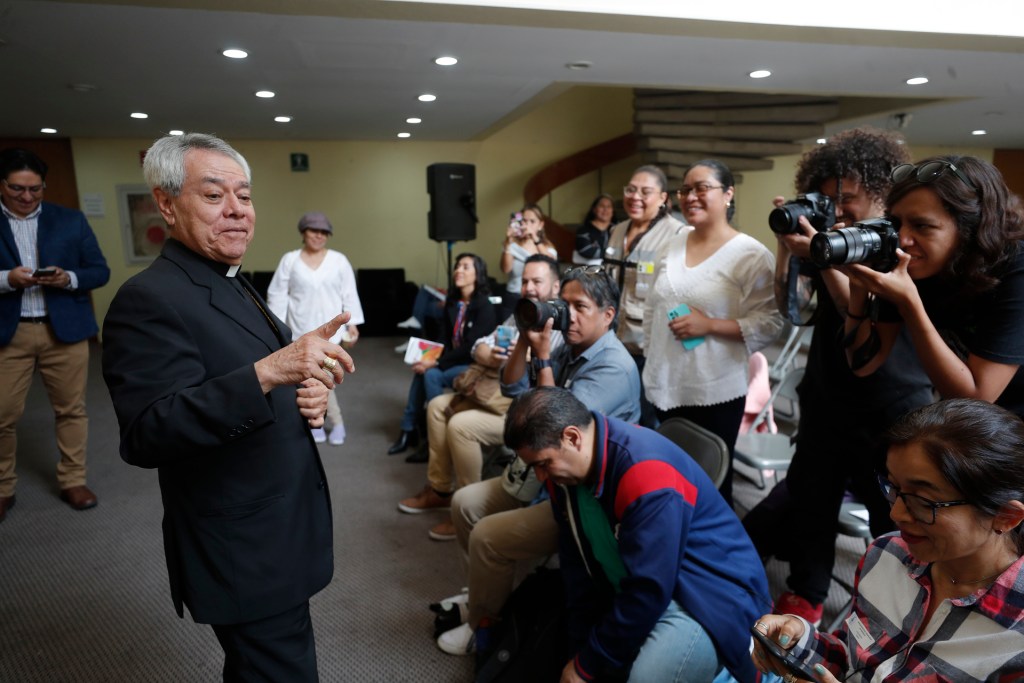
x=989, y=219
x=866, y=155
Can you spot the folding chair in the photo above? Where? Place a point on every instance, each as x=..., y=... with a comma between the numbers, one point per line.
x=765, y=452
x=705, y=447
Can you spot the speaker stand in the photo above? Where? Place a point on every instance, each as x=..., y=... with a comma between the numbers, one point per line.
x=450, y=244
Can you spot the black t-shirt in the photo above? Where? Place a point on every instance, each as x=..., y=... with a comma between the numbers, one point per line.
x=989, y=325
x=898, y=386
x=591, y=241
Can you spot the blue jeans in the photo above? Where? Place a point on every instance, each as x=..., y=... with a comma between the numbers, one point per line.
x=678, y=649
x=425, y=388
x=426, y=306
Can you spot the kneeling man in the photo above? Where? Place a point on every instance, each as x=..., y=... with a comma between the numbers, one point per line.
x=659, y=574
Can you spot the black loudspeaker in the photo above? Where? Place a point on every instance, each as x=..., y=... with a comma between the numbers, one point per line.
x=452, y=189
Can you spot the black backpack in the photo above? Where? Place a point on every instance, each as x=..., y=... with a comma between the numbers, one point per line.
x=529, y=643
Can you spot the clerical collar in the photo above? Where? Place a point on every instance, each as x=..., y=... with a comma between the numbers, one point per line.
x=232, y=271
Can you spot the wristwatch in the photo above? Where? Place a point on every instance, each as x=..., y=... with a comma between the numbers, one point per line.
x=541, y=363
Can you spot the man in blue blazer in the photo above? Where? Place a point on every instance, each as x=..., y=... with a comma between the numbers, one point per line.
x=210, y=390
x=49, y=262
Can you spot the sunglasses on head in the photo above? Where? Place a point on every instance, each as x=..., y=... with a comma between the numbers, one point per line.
x=928, y=172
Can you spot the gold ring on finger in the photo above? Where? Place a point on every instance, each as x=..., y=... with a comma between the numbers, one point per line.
x=328, y=364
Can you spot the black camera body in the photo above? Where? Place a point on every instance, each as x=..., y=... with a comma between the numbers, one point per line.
x=819, y=209
x=872, y=242
x=533, y=315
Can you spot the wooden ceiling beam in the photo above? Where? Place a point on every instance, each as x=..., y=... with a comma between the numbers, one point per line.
x=710, y=146
x=781, y=132
x=704, y=100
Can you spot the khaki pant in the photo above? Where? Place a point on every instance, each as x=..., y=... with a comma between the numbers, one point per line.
x=64, y=369
x=456, y=455
x=495, y=531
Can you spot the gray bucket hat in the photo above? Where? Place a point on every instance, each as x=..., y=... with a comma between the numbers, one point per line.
x=314, y=220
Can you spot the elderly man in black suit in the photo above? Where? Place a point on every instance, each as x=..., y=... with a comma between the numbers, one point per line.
x=210, y=390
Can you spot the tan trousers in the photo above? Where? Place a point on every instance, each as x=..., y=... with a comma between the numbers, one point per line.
x=495, y=532
x=456, y=455
x=64, y=369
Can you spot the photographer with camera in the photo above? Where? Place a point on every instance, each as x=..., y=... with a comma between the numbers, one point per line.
x=496, y=528
x=841, y=415
x=958, y=284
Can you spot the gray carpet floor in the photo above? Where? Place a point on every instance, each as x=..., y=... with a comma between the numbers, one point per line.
x=84, y=595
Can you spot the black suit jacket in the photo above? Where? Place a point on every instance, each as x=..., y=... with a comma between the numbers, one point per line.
x=247, y=513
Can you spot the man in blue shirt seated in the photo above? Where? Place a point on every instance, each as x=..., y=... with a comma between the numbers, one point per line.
x=660, y=578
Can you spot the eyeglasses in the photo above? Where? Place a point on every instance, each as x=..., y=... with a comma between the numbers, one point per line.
x=929, y=172
x=645, y=192
x=583, y=270
x=31, y=189
x=701, y=189
x=920, y=508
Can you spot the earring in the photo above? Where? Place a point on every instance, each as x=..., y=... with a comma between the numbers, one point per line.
x=999, y=532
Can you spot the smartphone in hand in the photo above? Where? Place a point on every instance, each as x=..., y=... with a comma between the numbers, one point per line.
x=44, y=272
x=773, y=649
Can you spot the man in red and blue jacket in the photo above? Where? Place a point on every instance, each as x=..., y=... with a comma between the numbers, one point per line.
x=662, y=581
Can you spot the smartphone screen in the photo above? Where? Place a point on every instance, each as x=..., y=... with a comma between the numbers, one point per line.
x=795, y=666
x=44, y=272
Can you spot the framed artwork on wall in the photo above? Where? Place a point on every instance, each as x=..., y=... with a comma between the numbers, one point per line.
x=142, y=227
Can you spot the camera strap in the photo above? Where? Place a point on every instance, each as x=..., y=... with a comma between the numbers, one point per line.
x=800, y=293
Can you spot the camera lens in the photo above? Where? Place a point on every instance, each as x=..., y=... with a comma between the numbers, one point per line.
x=840, y=247
x=527, y=314
x=781, y=221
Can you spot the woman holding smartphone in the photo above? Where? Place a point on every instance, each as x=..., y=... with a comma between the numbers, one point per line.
x=711, y=305
x=958, y=286
x=942, y=598
x=523, y=238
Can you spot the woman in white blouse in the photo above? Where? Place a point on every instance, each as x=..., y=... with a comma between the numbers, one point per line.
x=523, y=238
x=710, y=307
x=311, y=285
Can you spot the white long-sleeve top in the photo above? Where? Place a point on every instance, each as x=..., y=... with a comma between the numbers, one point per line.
x=306, y=298
x=734, y=283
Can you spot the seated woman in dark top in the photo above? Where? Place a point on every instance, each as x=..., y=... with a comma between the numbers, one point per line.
x=958, y=285
x=468, y=315
x=592, y=236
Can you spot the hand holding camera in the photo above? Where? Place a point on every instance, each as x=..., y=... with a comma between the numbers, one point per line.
x=515, y=226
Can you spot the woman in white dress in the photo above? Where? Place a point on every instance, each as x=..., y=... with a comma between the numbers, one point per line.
x=311, y=285
x=711, y=306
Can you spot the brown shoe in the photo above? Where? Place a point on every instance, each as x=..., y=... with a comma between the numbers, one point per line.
x=445, y=531
x=79, y=497
x=427, y=499
x=6, y=503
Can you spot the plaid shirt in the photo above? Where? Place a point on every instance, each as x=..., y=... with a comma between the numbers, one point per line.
x=976, y=638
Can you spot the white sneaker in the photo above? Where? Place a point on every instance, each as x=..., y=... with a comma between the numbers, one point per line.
x=401, y=348
x=319, y=435
x=337, y=435
x=460, y=641
x=410, y=323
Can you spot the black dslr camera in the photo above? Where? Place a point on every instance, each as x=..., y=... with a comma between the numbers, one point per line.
x=873, y=242
x=532, y=315
x=817, y=207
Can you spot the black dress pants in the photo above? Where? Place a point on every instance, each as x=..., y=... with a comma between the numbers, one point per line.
x=277, y=648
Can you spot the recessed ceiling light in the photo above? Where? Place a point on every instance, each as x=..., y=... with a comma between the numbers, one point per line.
x=446, y=61
x=917, y=80
x=579, y=66
x=48, y=130
x=427, y=97
x=139, y=115
x=760, y=73
x=234, y=53
x=283, y=119
x=405, y=135
x=413, y=119
x=821, y=141
x=979, y=132
x=175, y=131
x=265, y=94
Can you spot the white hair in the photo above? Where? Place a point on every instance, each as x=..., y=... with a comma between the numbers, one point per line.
x=164, y=165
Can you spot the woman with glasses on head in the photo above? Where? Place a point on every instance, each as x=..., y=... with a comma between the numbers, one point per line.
x=711, y=306
x=958, y=285
x=592, y=236
x=632, y=248
x=942, y=598
x=523, y=238
x=468, y=315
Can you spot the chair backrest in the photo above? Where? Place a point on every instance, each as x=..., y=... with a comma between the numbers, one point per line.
x=705, y=447
x=799, y=337
x=785, y=390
